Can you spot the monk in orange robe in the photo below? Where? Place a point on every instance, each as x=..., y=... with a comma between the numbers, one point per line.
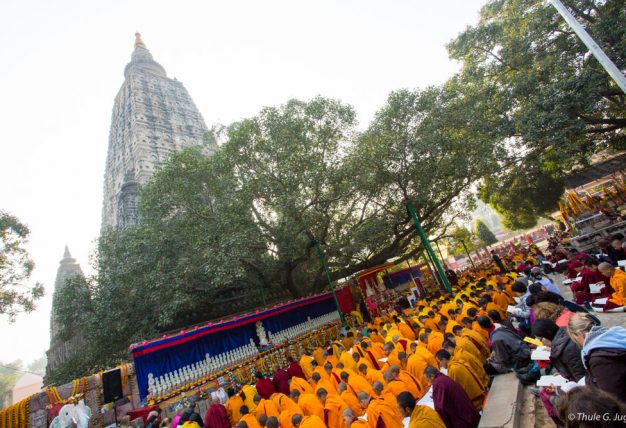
x=305, y=364
x=460, y=373
x=266, y=407
x=318, y=356
x=334, y=407
x=371, y=375
x=378, y=408
x=356, y=382
x=234, y=403
x=435, y=341
x=350, y=399
x=300, y=384
x=309, y=403
x=248, y=418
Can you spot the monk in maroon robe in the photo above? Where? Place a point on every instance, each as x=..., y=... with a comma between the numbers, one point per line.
x=294, y=369
x=264, y=387
x=281, y=381
x=215, y=416
x=451, y=401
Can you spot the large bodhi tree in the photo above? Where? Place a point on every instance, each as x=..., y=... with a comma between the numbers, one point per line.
x=551, y=101
x=215, y=227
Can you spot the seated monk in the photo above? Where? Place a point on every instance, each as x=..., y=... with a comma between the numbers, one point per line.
x=234, y=403
x=350, y=399
x=378, y=409
x=419, y=416
x=459, y=372
x=476, y=365
x=356, y=382
x=265, y=407
x=317, y=382
x=248, y=418
x=334, y=407
x=300, y=421
x=350, y=420
x=413, y=385
x=371, y=375
x=309, y=403
x=297, y=383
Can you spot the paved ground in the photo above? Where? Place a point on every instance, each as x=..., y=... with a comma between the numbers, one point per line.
x=533, y=413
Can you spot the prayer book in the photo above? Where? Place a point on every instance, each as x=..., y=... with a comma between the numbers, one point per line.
x=552, y=381
x=542, y=353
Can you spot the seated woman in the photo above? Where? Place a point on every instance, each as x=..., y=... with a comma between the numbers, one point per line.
x=564, y=358
x=553, y=312
x=603, y=353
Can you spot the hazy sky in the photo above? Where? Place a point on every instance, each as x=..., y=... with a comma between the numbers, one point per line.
x=62, y=62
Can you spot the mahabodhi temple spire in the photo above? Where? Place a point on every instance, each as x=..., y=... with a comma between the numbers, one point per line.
x=153, y=117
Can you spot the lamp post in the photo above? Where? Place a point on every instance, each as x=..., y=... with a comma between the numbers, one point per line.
x=427, y=246
x=468, y=254
x=322, y=257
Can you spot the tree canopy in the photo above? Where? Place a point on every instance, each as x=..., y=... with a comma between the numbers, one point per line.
x=485, y=235
x=528, y=106
x=17, y=294
x=549, y=102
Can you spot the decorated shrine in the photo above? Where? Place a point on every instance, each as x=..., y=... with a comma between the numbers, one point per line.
x=171, y=362
x=175, y=369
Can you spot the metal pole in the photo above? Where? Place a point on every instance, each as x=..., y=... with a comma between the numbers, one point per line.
x=320, y=253
x=427, y=246
x=595, y=49
x=439, y=249
x=468, y=254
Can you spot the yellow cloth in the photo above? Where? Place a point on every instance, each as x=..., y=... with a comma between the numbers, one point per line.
x=333, y=409
x=435, y=342
x=250, y=420
x=318, y=355
x=266, y=407
x=327, y=385
x=618, y=282
x=475, y=364
x=460, y=373
x=406, y=331
x=310, y=405
x=414, y=385
x=305, y=363
x=312, y=421
x=374, y=375
x=347, y=361
x=300, y=384
x=395, y=387
x=381, y=409
x=249, y=391
x=233, y=405
x=359, y=384
x=352, y=401
x=425, y=417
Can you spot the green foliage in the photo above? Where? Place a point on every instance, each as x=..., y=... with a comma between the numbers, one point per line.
x=455, y=239
x=16, y=267
x=485, y=235
x=549, y=102
x=9, y=374
x=212, y=227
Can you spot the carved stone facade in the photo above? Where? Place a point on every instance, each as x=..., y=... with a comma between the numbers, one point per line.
x=60, y=350
x=153, y=117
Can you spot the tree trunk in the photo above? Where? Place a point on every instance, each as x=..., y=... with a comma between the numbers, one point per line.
x=289, y=283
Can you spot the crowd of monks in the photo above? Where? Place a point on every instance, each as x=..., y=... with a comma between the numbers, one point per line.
x=376, y=372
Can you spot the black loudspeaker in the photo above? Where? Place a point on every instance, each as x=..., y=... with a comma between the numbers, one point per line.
x=112, y=385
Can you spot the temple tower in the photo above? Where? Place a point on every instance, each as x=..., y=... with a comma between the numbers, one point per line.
x=61, y=350
x=153, y=116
